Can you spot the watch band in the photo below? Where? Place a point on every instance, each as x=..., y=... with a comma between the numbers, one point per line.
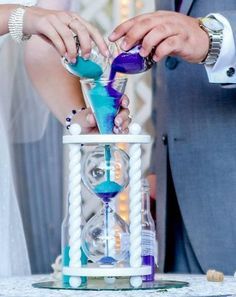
x=215, y=43
x=15, y=25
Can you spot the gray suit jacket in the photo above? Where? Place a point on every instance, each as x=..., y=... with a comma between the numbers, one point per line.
x=199, y=120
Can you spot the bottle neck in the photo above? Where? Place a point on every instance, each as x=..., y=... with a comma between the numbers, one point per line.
x=145, y=199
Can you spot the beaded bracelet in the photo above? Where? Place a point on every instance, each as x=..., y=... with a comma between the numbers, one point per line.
x=70, y=116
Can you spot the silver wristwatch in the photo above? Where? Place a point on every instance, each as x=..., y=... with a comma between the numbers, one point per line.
x=214, y=29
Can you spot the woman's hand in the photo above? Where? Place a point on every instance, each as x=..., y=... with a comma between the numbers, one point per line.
x=57, y=27
x=87, y=120
x=168, y=33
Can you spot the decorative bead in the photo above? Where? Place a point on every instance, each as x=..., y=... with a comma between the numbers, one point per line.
x=75, y=129
x=215, y=276
x=135, y=129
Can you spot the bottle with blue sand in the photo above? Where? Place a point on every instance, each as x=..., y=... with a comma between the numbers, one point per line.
x=65, y=247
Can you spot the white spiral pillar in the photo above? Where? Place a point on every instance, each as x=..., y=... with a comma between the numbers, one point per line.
x=75, y=211
x=135, y=199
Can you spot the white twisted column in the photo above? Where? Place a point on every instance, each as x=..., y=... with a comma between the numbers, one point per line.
x=75, y=210
x=135, y=206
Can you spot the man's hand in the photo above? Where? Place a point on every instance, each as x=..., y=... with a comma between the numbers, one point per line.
x=169, y=33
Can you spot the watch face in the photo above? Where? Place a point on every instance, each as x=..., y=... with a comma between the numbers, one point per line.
x=212, y=24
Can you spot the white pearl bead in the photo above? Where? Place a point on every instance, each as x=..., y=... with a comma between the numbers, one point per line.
x=135, y=129
x=135, y=281
x=75, y=282
x=75, y=129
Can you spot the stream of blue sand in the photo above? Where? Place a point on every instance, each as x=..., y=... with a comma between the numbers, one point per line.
x=105, y=101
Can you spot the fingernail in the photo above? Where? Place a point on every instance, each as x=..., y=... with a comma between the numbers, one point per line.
x=89, y=119
x=112, y=35
x=86, y=56
x=155, y=58
x=116, y=130
x=73, y=60
x=118, y=121
x=142, y=52
x=123, y=45
x=125, y=103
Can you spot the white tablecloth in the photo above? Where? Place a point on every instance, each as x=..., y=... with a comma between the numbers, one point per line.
x=199, y=286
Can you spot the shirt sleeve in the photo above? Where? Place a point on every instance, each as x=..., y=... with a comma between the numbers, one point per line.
x=223, y=71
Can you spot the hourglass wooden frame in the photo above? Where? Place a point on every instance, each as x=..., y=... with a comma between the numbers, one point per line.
x=135, y=270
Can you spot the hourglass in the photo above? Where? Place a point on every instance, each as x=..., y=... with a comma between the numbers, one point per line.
x=105, y=173
x=112, y=245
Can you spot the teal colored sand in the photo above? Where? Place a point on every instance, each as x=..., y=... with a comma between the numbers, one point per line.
x=66, y=262
x=107, y=190
x=105, y=107
x=86, y=68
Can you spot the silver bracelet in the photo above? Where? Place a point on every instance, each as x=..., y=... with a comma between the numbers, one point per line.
x=15, y=25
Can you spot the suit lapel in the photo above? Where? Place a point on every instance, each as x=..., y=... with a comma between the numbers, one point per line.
x=186, y=6
x=170, y=5
x=165, y=4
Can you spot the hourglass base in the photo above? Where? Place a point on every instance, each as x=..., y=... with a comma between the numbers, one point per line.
x=121, y=284
x=94, y=270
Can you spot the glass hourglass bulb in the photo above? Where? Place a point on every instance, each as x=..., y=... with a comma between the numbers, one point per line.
x=105, y=171
x=103, y=245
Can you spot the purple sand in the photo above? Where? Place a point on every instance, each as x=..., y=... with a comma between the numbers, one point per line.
x=129, y=62
x=150, y=261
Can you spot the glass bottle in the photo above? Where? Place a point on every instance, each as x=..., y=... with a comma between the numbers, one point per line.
x=130, y=62
x=149, y=244
x=65, y=247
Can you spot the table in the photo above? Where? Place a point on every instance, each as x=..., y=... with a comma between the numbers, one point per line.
x=199, y=286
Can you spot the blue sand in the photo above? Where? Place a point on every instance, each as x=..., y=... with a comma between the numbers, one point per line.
x=107, y=261
x=66, y=262
x=106, y=103
x=129, y=62
x=86, y=68
x=107, y=190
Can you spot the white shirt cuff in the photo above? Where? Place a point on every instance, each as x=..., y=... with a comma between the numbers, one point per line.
x=218, y=73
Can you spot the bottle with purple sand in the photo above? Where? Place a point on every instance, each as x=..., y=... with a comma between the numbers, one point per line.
x=149, y=243
x=130, y=62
